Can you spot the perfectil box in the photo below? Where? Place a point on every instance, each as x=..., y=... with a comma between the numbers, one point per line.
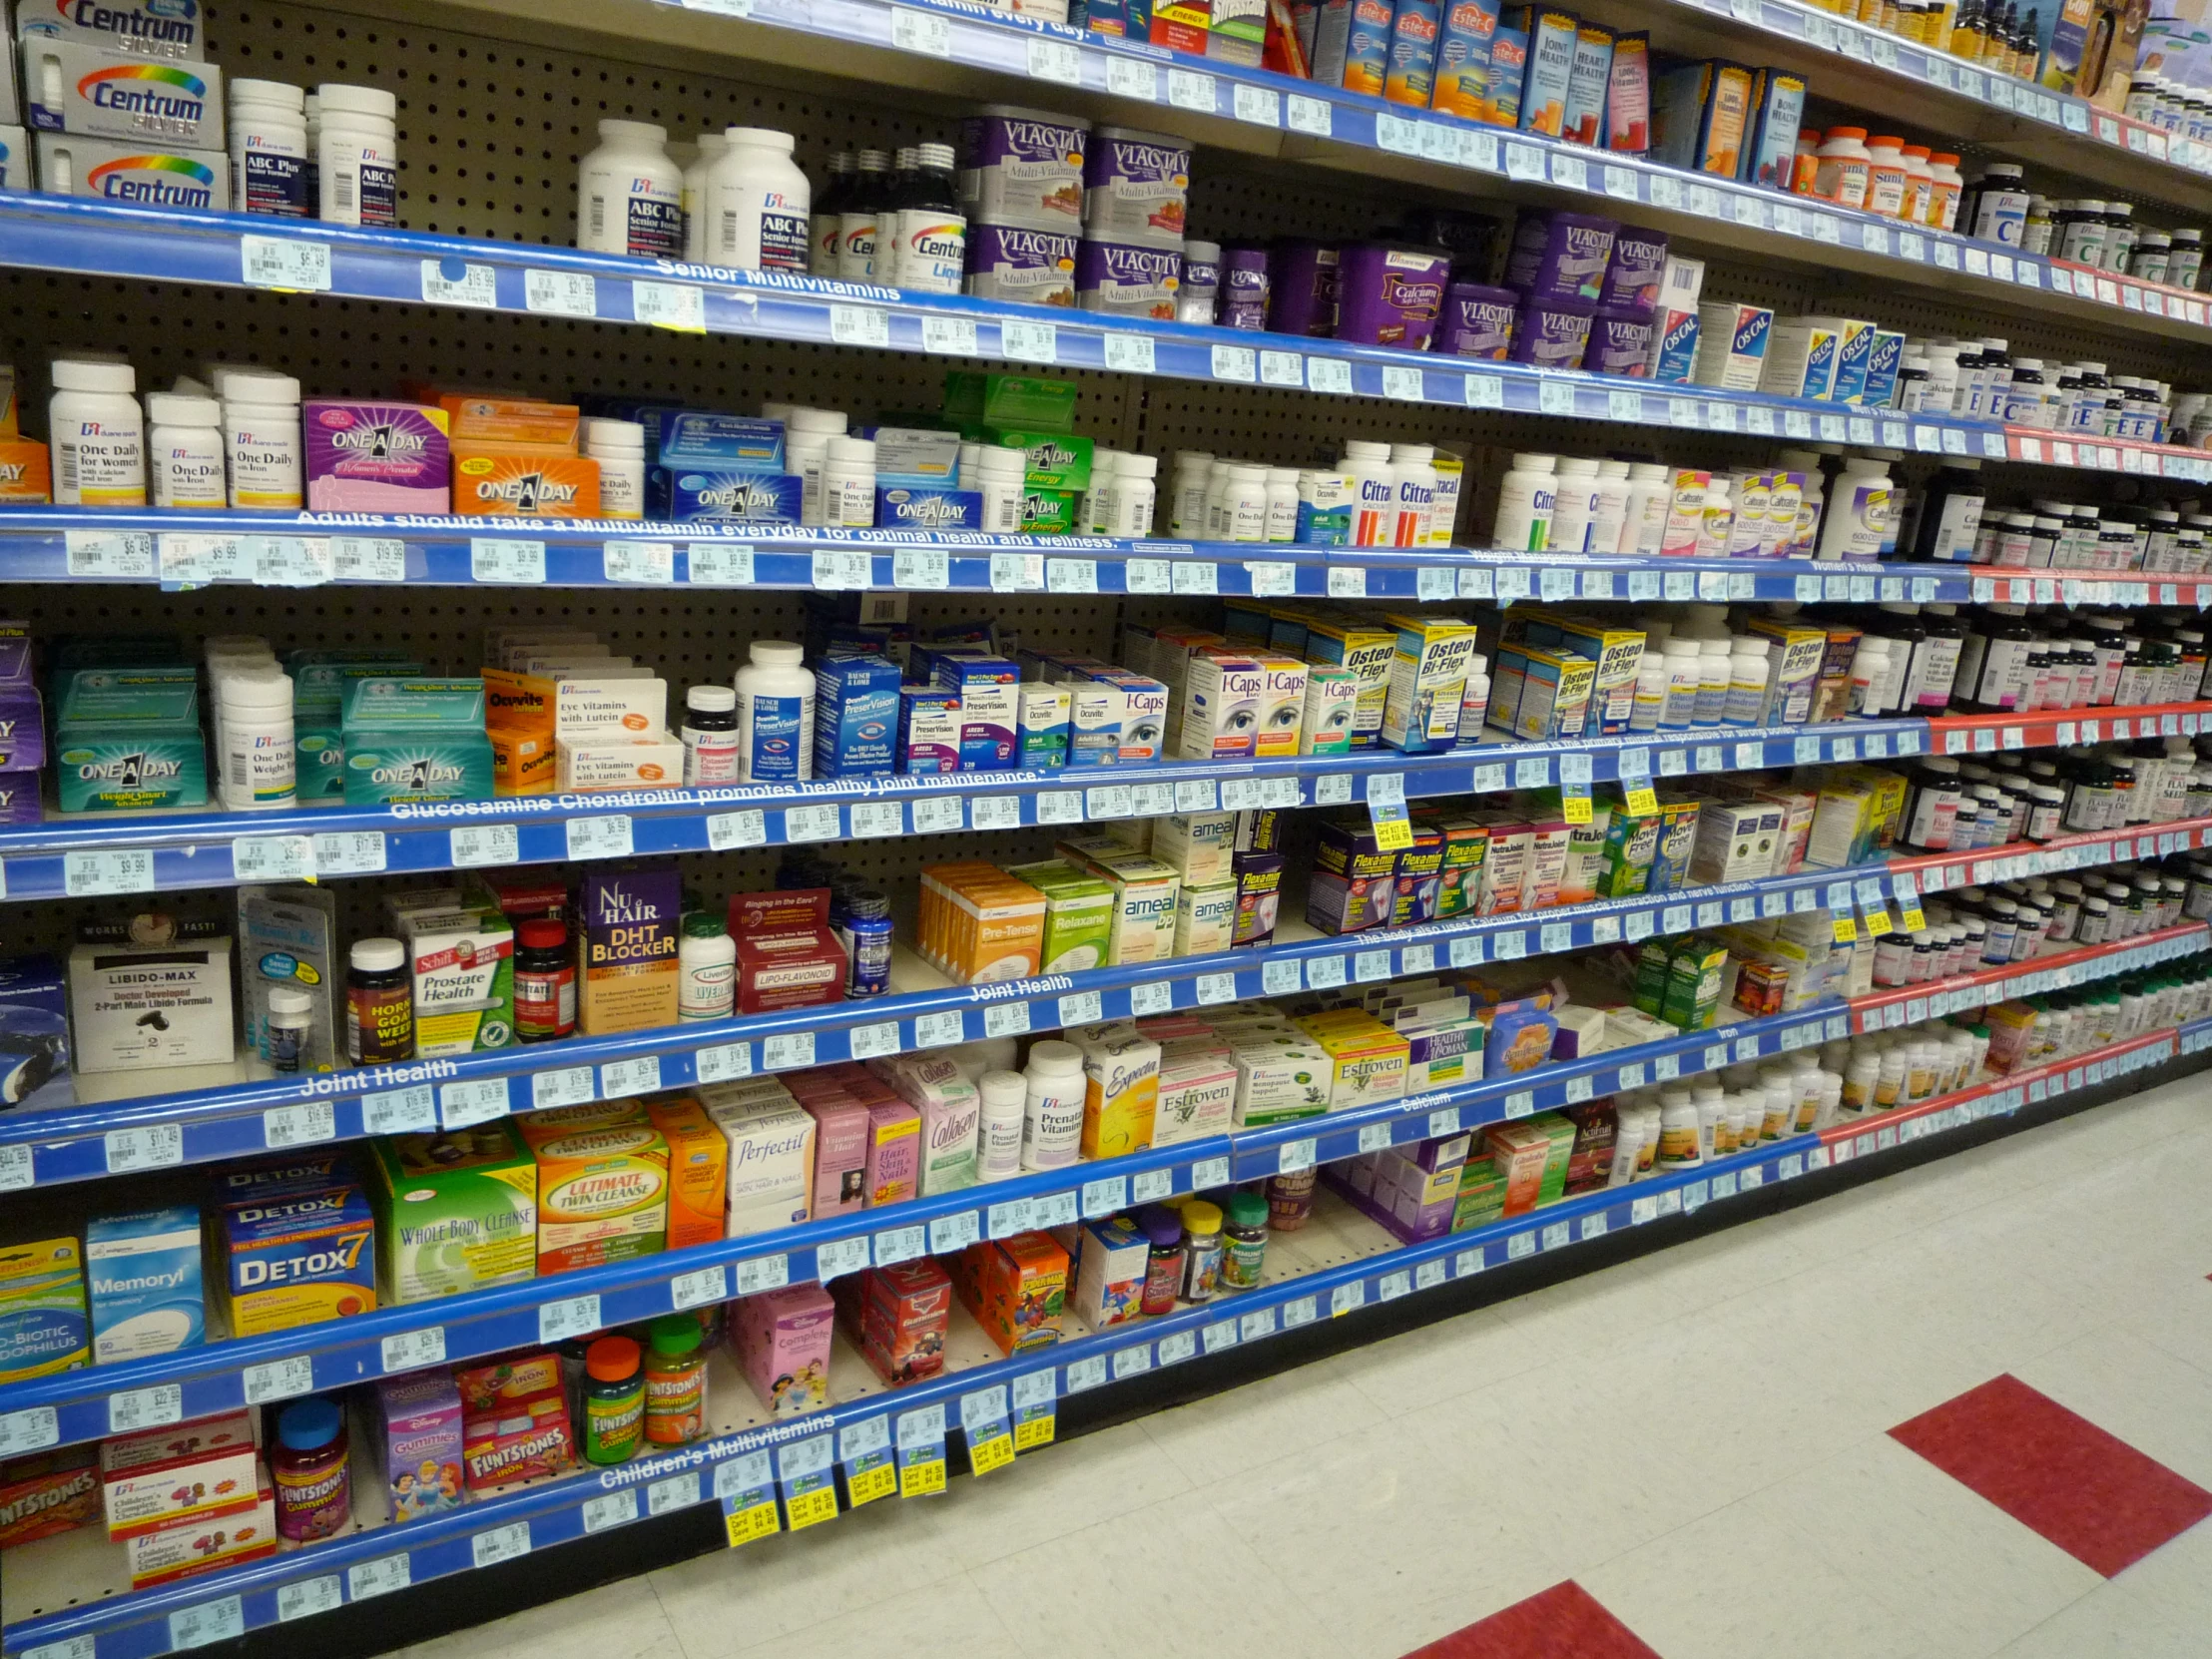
x=772, y=1164
x=456, y=1211
x=144, y=1274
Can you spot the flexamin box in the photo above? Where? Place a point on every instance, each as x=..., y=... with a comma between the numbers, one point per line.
x=602, y=1184
x=297, y=1260
x=455, y=1211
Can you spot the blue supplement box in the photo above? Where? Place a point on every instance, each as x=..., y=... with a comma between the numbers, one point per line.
x=1674, y=346
x=147, y=1296
x=928, y=731
x=902, y=507
x=1882, y=362
x=297, y=1260
x=1044, y=728
x=1096, y=709
x=727, y=443
x=856, y=716
x=918, y=458
x=34, y=1033
x=729, y=495
x=990, y=694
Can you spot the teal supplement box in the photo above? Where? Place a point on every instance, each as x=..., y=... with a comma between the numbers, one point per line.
x=409, y=740
x=126, y=740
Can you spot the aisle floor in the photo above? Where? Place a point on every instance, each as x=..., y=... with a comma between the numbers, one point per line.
x=1964, y=1410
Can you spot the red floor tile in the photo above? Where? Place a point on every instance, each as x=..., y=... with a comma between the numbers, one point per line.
x=1563, y=1622
x=2058, y=1475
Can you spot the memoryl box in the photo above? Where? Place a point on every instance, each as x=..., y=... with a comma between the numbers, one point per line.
x=144, y=1269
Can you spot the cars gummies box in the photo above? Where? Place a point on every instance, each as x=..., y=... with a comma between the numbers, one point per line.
x=1017, y=1288
x=902, y=1317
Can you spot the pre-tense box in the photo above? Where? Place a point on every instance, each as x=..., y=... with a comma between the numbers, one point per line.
x=456, y=1211
x=602, y=1184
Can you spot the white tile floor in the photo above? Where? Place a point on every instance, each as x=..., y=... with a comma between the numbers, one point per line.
x=1697, y=1438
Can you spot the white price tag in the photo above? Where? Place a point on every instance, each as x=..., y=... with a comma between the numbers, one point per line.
x=1262, y=105
x=1190, y=90
x=154, y=1408
x=408, y=1350
x=787, y=1053
x=648, y=563
x=217, y=1621
x=560, y=293
x=454, y=282
x=677, y=306
x=474, y=845
x=600, y=837
x=1029, y=343
x=1236, y=362
x=716, y=565
x=505, y=561
x=1056, y=60
x=298, y=264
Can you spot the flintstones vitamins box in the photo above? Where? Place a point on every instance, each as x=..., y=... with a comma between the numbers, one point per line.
x=602, y=1184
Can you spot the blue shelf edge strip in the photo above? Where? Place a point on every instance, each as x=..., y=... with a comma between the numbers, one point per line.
x=330, y=1575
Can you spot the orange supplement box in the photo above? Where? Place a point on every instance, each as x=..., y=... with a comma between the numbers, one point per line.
x=1015, y=1288
x=697, y=1169
x=602, y=1184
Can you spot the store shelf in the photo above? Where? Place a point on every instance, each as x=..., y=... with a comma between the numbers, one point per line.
x=226, y=1375
x=233, y=251
x=2126, y=455
x=1350, y=1264
x=1986, y=734
x=1937, y=871
x=188, y=849
x=926, y=45
x=220, y=1114
x=2061, y=970
x=2008, y=1092
x=1861, y=67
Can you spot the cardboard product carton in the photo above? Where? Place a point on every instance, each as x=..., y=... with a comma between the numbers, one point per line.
x=602, y=1184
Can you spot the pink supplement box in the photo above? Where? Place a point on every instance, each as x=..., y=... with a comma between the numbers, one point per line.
x=368, y=457
x=782, y=1339
x=841, y=1154
x=417, y=1436
x=893, y=1153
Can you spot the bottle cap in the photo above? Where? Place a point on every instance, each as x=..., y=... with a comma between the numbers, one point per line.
x=378, y=955
x=611, y=1360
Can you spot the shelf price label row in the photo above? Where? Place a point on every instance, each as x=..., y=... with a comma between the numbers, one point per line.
x=1884, y=1010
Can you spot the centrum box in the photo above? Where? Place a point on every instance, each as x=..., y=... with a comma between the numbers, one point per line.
x=456, y=1211
x=602, y=1184
x=173, y=102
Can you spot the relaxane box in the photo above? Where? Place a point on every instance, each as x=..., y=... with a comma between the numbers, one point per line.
x=1142, y=929
x=1079, y=912
x=462, y=961
x=602, y=1184
x=144, y=1274
x=455, y=1211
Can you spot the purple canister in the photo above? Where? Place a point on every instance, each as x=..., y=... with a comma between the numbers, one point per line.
x=1035, y=267
x=1302, y=290
x=1632, y=276
x=1620, y=341
x=1478, y=320
x=1244, y=288
x=1553, y=334
x=1388, y=293
x=1135, y=186
x=1022, y=167
x=1126, y=278
x=1561, y=256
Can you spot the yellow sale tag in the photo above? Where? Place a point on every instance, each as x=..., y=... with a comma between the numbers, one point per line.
x=810, y=1509
x=1879, y=923
x=1643, y=800
x=921, y=1480
x=760, y=1522
x=1393, y=835
x=1578, y=808
x=1035, y=1432
x=870, y=1484
x=993, y=1453
x=1846, y=930
x=1915, y=919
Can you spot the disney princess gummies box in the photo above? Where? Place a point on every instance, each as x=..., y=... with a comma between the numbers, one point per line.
x=418, y=1436
x=782, y=1339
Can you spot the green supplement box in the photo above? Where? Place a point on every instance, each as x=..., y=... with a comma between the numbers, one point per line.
x=1048, y=512
x=1056, y=460
x=1022, y=401
x=455, y=1212
x=1079, y=915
